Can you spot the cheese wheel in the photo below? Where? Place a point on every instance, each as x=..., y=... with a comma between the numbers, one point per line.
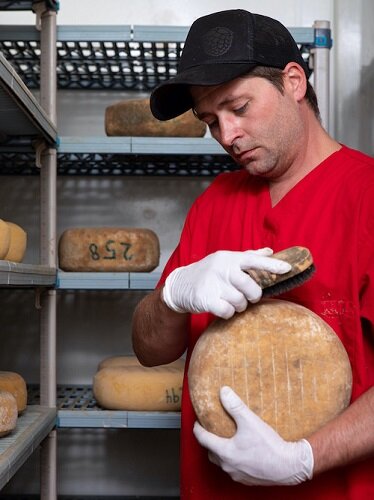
x=8, y=413
x=283, y=360
x=109, y=249
x=131, y=361
x=18, y=241
x=134, y=118
x=139, y=388
x=15, y=384
x=4, y=238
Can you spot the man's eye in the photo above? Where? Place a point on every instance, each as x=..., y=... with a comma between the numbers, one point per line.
x=242, y=109
x=212, y=124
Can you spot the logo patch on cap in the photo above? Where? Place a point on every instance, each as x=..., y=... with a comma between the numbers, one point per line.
x=217, y=41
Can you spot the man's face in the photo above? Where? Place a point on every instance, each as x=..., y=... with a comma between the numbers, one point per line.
x=256, y=124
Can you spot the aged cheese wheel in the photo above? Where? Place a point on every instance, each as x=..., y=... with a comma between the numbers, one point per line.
x=283, y=360
x=4, y=238
x=15, y=384
x=134, y=118
x=18, y=241
x=139, y=388
x=8, y=413
x=131, y=361
x=109, y=249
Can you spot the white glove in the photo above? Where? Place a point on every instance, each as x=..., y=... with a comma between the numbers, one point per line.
x=256, y=454
x=218, y=284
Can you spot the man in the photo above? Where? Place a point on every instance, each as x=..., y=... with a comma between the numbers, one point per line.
x=244, y=76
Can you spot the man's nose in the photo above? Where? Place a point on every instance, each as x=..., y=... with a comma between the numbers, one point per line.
x=229, y=133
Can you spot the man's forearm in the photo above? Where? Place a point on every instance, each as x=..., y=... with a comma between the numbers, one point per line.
x=348, y=438
x=159, y=334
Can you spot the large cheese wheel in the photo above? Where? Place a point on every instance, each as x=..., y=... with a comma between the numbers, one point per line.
x=139, y=388
x=18, y=242
x=134, y=118
x=15, y=384
x=4, y=238
x=8, y=413
x=283, y=360
x=131, y=361
x=109, y=249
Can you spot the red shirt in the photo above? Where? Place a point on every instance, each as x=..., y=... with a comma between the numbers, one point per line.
x=331, y=212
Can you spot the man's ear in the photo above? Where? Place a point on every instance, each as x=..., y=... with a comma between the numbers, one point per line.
x=295, y=80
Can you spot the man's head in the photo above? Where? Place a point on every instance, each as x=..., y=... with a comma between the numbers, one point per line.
x=219, y=48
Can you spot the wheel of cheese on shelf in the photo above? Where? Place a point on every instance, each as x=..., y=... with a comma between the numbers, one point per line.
x=8, y=413
x=17, y=245
x=133, y=117
x=4, y=239
x=139, y=388
x=109, y=249
x=284, y=361
x=15, y=384
x=125, y=360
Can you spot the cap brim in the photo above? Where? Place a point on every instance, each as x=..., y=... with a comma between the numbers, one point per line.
x=172, y=98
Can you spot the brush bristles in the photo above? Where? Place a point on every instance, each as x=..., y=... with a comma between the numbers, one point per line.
x=290, y=283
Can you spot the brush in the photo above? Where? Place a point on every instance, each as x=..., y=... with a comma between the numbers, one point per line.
x=302, y=269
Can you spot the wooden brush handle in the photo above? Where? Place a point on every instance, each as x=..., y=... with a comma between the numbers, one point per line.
x=300, y=259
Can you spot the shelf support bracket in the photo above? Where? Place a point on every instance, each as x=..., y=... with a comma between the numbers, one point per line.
x=38, y=294
x=40, y=147
x=39, y=8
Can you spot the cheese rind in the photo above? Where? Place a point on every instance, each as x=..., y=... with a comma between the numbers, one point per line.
x=134, y=118
x=283, y=360
x=15, y=384
x=139, y=388
x=109, y=249
x=8, y=413
x=4, y=239
x=17, y=245
x=131, y=361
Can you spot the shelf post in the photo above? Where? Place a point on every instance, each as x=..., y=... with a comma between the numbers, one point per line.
x=321, y=64
x=48, y=94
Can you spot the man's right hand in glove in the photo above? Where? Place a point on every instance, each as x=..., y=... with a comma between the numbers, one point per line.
x=218, y=283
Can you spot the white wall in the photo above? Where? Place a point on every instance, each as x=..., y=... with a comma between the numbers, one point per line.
x=94, y=325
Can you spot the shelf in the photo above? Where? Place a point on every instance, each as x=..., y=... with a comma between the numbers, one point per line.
x=78, y=408
x=106, y=281
x=26, y=4
x=110, y=57
x=119, y=156
x=26, y=275
x=21, y=114
x=32, y=427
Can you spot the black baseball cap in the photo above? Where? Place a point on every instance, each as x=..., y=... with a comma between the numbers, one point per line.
x=220, y=47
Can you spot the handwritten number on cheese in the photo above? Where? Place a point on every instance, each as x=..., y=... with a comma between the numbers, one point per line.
x=94, y=252
x=110, y=252
x=127, y=247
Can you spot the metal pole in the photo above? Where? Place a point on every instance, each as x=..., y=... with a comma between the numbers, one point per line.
x=321, y=65
x=48, y=86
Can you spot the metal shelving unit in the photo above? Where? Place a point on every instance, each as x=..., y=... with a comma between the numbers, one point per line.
x=111, y=57
x=106, y=281
x=120, y=156
x=25, y=120
x=77, y=407
x=21, y=114
x=26, y=275
x=33, y=426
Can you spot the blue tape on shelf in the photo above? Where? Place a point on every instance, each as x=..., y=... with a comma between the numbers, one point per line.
x=322, y=38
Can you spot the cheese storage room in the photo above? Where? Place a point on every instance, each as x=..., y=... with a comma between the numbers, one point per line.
x=96, y=183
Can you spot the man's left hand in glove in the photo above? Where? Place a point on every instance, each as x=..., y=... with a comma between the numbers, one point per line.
x=256, y=454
